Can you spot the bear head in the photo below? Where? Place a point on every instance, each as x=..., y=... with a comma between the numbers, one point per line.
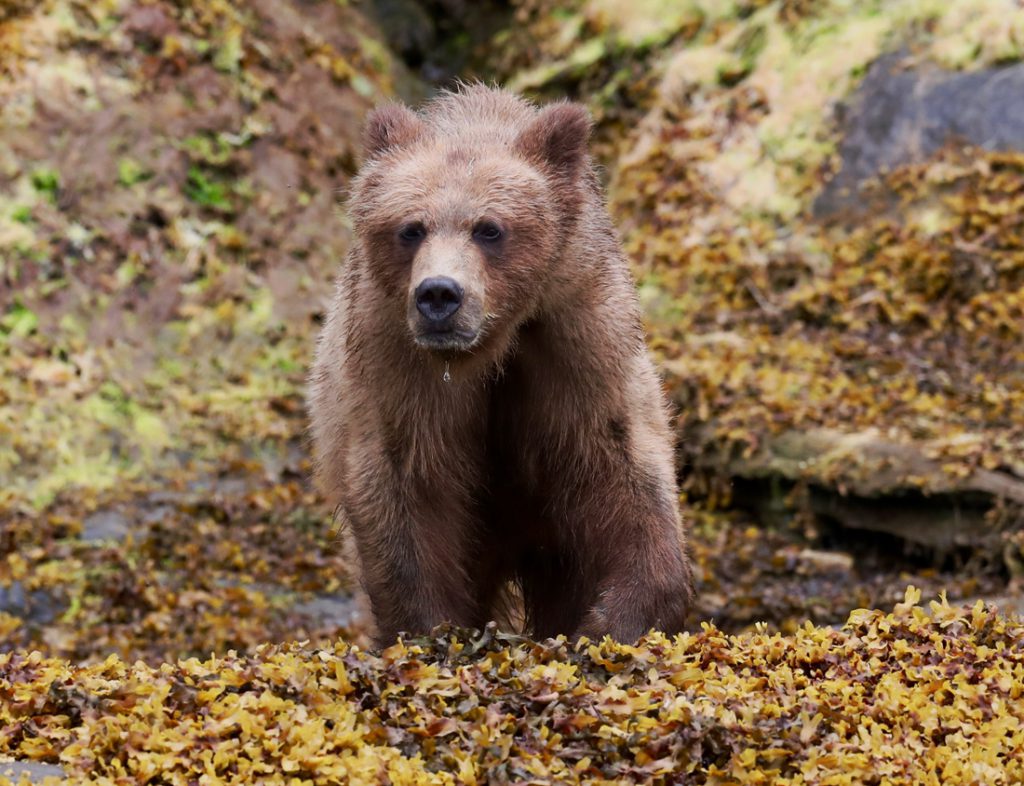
x=462, y=211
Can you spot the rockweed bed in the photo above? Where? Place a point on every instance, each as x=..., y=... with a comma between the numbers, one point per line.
x=915, y=696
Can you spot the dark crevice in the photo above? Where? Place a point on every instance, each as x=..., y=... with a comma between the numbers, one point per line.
x=911, y=531
x=441, y=40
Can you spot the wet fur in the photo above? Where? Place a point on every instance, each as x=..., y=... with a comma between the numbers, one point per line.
x=547, y=460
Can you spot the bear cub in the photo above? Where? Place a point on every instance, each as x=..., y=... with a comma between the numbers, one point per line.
x=485, y=415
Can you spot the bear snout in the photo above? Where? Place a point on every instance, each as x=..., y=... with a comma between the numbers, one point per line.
x=438, y=298
x=444, y=315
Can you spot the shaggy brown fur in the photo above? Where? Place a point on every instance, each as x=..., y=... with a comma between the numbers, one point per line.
x=546, y=461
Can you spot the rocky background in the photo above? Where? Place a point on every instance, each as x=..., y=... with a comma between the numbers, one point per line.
x=823, y=205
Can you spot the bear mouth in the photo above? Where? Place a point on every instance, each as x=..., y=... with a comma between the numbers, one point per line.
x=447, y=340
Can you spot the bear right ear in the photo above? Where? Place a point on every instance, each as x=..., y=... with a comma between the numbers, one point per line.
x=388, y=127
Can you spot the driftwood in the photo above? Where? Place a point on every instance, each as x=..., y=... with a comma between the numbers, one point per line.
x=864, y=481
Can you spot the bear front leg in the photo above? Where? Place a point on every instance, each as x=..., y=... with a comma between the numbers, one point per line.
x=643, y=588
x=640, y=576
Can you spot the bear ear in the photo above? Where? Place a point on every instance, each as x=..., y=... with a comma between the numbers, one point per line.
x=557, y=138
x=388, y=127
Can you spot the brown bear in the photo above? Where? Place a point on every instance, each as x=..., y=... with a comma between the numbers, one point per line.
x=485, y=415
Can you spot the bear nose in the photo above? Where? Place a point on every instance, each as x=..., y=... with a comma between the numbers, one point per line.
x=438, y=298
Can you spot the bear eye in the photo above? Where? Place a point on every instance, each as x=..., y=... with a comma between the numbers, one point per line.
x=488, y=232
x=412, y=233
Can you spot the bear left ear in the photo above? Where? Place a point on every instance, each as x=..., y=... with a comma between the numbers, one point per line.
x=390, y=126
x=557, y=138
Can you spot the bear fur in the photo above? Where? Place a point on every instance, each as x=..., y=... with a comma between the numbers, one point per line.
x=520, y=446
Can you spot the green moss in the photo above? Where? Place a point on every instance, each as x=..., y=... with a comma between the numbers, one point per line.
x=205, y=191
x=46, y=181
x=19, y=321
x=130, y=172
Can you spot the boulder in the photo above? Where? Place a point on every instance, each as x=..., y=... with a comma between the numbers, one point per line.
x=903, y=113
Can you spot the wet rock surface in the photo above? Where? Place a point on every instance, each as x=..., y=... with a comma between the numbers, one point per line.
x=105, y=525
x=342, y=610
x=32, y=606
x=32, y=771
x=902, y=114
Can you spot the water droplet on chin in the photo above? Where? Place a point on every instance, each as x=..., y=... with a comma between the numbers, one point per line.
x=447, y=375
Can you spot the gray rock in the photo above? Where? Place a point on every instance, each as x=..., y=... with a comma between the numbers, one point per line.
x=338, y=609
x=105, y=525
x=1010, y=605
x=157, y=514
x=901, y=116
x=36, y=607
x=226, y=486
x=35, y=771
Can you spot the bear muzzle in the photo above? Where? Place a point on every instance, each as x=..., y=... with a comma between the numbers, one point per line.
x=443, y=316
